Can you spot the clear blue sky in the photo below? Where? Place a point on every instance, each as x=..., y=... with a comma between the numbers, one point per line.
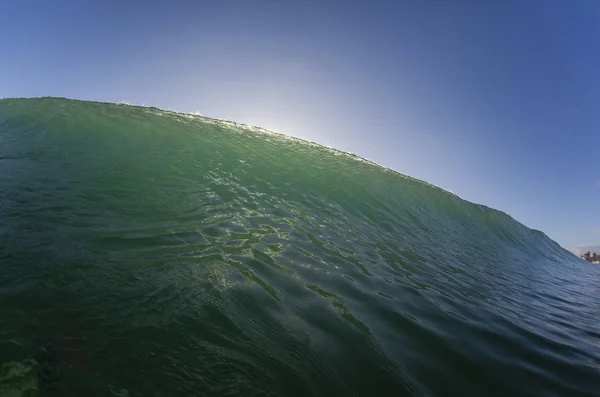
x=496, y=101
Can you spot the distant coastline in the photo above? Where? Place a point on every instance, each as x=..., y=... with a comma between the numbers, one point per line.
x=591, y=257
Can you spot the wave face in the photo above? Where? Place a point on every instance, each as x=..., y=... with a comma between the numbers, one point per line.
x=152, y=253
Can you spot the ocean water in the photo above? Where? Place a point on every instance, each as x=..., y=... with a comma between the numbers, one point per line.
x=152, y=253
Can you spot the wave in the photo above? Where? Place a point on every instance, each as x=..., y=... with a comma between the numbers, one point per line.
x=152, y=252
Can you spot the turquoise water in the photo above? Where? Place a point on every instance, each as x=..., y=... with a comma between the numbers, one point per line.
x=151, y=253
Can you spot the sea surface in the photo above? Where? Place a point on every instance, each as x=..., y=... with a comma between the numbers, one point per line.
x=151, y=253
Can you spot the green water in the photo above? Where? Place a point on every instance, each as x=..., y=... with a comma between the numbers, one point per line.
x=150, y=253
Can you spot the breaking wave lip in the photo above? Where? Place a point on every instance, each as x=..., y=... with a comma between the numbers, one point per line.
x=256, y=129
x=196, y=115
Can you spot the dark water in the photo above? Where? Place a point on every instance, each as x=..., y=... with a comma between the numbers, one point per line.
x=149, y=253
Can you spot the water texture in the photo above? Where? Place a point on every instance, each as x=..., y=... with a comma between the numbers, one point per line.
x=152, y=253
